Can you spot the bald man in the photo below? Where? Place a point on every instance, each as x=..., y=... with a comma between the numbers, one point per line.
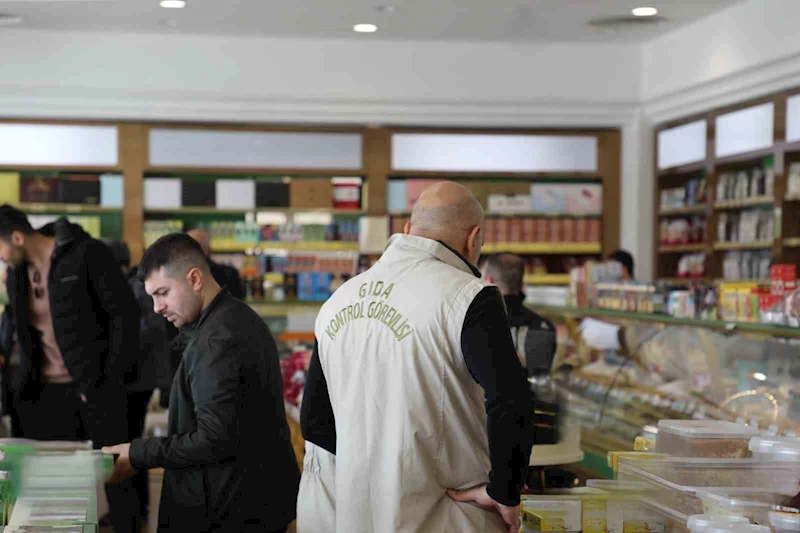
x=224, y=275
x=415, y=387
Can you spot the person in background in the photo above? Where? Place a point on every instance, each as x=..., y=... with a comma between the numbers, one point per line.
x=155, y=334
x=225, y=275
x=77, y=324
x=414, y=385
x=625, y=259
x=228, y=459
x=534, y=337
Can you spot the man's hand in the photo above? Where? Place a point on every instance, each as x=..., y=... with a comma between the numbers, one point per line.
x=479, y=496
x=122, y=466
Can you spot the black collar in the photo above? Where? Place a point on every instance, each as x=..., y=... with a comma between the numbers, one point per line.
x=514, y=301
x=472, y=268
x=193, y=327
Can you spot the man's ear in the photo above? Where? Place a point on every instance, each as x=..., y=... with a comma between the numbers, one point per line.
x=196, y=279
x=407, y=228
x=17, y=238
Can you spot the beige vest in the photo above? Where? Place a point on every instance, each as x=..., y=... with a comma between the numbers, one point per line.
x=410, y=418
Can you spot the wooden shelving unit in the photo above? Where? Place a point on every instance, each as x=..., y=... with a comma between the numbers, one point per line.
x=67, y=208
x=755, y=245
x=544, y=248
x=546, y=279
x=689, y=210
x=677, y=248
x=745, y=202
x=217, y=211
x=308, y=246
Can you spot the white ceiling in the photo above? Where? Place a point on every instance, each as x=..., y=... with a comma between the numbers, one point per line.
x=450, y=20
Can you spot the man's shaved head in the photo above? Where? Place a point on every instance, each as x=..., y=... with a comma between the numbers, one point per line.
x=448, y=212
x=506, y=271
x=203, y=239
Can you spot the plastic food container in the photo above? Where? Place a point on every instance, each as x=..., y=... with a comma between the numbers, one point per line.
x=785, y=522
x=754, y=507
x=681, y=498
x=727, y=476
x=700, y=523
x=737, y=528
x=704, y=438
x=775, y=449
x=672, y=520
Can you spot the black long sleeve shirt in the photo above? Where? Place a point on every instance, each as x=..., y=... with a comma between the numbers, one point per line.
x=491, y=359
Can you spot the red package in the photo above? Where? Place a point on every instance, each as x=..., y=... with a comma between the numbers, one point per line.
x=491, y=231
x=515, y=230
x=528, y=230
x=581, y=230
x=554, y=231
x=568, y=229
x=540, y=234
x=594, y=230
x=502, y=230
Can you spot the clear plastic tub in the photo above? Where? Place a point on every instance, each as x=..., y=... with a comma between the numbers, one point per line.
x=728, y=476
x=704, y=438
x=775, y=448
x=672, y=520
x=682, y=499
x=700, y=523
x=754, y=507
x=738, y=528
x=784, y=522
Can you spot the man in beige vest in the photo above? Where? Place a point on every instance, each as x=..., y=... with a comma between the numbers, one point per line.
x=415, y=386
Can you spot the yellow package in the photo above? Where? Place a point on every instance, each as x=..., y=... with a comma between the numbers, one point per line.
x=543, y=521
x=9, y=188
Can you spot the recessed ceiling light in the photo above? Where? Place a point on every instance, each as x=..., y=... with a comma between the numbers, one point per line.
x=173, y=4
x=645, y=12
x=9, y=20
x=388, y=9
x=759, y=376
x=365, y=28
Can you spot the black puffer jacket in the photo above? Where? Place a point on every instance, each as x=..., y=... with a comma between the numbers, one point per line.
x=228, y=459
x=95, y=316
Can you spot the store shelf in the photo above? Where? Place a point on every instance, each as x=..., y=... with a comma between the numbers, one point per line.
x=67, y=208
x=546, y=279
x=307, y=246
x=690, y=210
x=281, y=309
x=690, y=168
x=792, y=198
x=744, y=202
x=755, y=245
x=517, y=215
x=677, y=248
x=542, y=248
x=287, y=210
x=750, y=327
x=792, y=242
x=752, y=156
x=683, y=281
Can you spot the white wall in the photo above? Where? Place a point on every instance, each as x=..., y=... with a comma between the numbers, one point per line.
x=211, y=78
x=750, y=49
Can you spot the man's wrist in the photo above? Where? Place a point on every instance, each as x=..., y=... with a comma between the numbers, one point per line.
x=136, y=454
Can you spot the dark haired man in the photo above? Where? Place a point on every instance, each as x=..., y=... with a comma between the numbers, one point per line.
x=228, y=446
x=77, y=323
x=624, y=258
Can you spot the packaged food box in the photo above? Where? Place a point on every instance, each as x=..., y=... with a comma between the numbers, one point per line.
x=784, y=522
x=542, y=521
x=704, y=438
x=552, y=510
x=755, y=507
x=775, y=448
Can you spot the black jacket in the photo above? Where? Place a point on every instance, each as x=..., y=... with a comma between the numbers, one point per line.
x=228, y=277
x=228, y=459
x=155, y=333
x=534, y=337
x=95, y=316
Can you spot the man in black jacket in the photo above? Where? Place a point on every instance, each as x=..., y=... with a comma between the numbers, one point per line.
x=534, y=337
x=77, y=324
x=228, y=459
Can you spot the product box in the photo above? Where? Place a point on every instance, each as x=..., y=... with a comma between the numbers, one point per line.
x=528, y=229
x=272, y=194
x=162, y=193
x=79, y=189
x=502, y=228
x=584, y=199
x=414, y=188
x=594, y=230
x=491, y=230
x=568, y=230
x=509, y=204
x=38, y=189
x=515, y=231
x=396, y=196
x=235, y=194
x=581, y=230
x=112, y=190
x=9, y=188
x=346, y=194
x=540, y=230
x=566, y=512
x=548, y=198
x=554, y=233
x=311, y=193
x=199, y=193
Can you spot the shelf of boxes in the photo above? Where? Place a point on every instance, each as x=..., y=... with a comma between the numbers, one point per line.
x=311, y=246
x=218, y=211
x=697, y=209
x=543, y=248
x=66, y=208
x=546, y=279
